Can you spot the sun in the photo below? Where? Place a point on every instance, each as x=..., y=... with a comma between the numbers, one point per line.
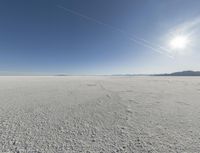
x=179, y=42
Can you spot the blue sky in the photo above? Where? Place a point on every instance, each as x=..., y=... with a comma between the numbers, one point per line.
x=97, y=36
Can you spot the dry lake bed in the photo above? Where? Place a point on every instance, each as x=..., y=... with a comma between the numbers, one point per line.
x=99, y=114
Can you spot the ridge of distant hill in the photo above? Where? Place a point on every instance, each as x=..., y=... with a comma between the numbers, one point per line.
x=182, y=73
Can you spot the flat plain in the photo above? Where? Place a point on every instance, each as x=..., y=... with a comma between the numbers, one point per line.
x=99, y=114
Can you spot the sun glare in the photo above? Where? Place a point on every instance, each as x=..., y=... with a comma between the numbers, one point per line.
x=179, y=42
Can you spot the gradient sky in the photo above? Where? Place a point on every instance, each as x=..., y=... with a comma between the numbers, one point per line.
x=97, y=36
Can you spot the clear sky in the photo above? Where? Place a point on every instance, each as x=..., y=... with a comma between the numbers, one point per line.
x=99, y=36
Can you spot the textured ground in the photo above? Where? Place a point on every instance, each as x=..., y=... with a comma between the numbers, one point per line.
x=100, y=114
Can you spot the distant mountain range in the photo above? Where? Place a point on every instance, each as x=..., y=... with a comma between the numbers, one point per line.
x=182, y=73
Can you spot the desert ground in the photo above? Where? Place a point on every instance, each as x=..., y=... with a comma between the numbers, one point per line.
x=99, y=114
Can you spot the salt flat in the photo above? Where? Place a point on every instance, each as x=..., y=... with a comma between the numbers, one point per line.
x=100, y=114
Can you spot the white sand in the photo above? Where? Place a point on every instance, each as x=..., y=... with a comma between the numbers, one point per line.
x=100, y=114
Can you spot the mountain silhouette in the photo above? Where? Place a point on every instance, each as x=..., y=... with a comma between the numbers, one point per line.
x=182, y=73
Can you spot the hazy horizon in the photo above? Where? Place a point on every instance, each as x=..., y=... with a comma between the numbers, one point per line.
x=68, y=74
